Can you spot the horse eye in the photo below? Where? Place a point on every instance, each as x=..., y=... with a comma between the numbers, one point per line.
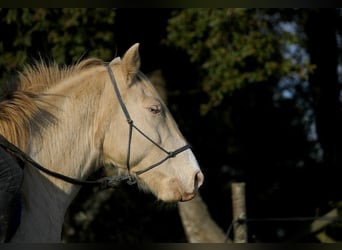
x=154, y=109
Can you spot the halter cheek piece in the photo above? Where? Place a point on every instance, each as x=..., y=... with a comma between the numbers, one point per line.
x=106, y=182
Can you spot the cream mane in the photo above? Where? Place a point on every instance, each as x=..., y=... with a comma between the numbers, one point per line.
x=23, y=113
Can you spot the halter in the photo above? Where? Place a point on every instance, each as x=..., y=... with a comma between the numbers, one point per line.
x=169, y=154
x=106, y=182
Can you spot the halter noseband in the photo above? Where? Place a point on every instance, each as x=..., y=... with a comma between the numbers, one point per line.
x=169, y=154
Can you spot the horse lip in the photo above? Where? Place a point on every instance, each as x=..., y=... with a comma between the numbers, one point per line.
x=187, y=197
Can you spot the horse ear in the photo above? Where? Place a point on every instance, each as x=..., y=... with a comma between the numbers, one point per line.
x=115, y=60
x=131, y=62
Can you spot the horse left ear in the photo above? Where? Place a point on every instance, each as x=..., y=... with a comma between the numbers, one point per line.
x=131, y=62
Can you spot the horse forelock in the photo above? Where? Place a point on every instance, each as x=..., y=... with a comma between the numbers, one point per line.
x=23, y=112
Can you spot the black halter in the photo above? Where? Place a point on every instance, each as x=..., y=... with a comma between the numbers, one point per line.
x=106, y=182
x=169, y=154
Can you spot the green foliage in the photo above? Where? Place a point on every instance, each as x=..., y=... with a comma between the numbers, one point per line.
x=64, y=35
x=233, y=47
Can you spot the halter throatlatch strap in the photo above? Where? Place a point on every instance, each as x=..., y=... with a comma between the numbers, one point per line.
x=170, y=154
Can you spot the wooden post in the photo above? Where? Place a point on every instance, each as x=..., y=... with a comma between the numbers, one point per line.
x=239, y=212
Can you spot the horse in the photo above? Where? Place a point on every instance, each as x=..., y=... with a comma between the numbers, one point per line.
x=75, y=119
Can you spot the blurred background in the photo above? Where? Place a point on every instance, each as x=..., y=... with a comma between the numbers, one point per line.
x=257, y=93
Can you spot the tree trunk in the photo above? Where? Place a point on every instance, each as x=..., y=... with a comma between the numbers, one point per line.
x=239, y=212
x=198, y=225
x=321, y=29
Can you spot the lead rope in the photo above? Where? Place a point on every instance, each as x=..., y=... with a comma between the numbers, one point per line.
x=104, y=183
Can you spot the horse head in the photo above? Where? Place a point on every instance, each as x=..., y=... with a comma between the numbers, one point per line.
x=143, y=138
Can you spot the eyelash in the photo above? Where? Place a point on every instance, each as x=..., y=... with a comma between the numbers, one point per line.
x=155, y=109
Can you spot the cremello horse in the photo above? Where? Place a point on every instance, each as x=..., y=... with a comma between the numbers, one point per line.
x=71, y=121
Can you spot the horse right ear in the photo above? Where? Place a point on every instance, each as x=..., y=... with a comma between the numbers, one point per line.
x=131, y=62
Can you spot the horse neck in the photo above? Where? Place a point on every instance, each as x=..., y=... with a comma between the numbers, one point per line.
x=70, y=147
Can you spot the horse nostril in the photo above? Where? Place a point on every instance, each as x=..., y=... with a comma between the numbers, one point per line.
x=198, y=180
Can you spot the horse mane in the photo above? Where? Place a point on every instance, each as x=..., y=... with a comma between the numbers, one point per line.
x=23, y=111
